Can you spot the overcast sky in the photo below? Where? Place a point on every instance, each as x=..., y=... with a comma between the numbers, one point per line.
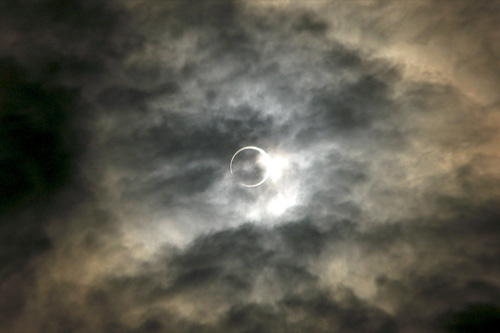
x=118, y=121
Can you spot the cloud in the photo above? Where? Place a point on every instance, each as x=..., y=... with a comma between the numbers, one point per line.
x=118, y=212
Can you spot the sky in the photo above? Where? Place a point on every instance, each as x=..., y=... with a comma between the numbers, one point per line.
x=118, y=122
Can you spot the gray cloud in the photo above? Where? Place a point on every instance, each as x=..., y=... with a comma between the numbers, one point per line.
x=118, y=212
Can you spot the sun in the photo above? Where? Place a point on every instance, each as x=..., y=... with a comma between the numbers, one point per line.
x=272, y=165
x=263, y=161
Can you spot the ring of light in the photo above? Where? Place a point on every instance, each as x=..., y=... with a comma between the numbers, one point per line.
x=260, y=151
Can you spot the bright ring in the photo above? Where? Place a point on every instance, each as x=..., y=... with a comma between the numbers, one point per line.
x=266, y=157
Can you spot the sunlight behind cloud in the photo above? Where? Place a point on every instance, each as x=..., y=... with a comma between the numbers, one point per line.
x=280, y=203
x=276, y=167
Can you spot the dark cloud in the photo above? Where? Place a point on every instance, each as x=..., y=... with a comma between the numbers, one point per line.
x=51, y=51
x=118, y=122
x=309, y=23
x=475, y=318
x=36, y=148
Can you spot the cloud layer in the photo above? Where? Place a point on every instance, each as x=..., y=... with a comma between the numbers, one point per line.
x=118, y=122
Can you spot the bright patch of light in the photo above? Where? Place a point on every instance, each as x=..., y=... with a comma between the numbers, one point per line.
x=280, y=203
x=276, y=166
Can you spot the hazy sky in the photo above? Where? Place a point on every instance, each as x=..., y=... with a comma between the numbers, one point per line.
x=118, y=121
